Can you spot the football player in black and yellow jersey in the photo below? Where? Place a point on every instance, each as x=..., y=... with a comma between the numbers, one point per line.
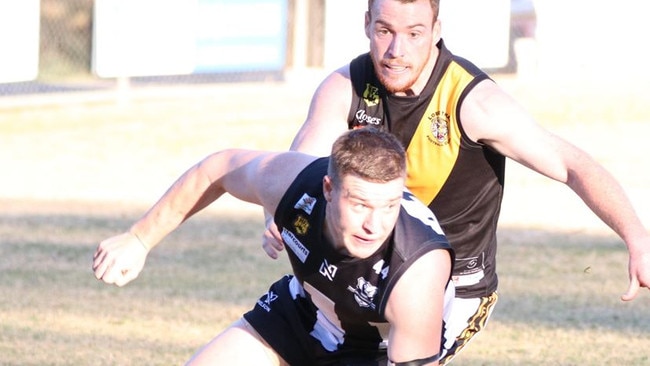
x=458, y=127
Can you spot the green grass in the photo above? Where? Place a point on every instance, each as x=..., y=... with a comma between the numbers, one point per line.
x=76, y=173
x=204, y=276
x=558, y=295
x=559, y=304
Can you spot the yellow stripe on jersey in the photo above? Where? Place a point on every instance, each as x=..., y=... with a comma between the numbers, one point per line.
x=434, y=148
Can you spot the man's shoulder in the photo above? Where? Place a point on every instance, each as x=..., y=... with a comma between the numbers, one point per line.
x=361, y=68
x=308, y=180
x=417, y=228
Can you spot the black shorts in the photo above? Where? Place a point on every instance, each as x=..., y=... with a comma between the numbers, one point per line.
x=285, y=320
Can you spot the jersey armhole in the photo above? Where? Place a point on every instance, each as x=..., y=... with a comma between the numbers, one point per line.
x=464, y=138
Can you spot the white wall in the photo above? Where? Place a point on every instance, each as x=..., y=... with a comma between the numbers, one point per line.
x=592, y=38
x=345, y=37
x=19, y=36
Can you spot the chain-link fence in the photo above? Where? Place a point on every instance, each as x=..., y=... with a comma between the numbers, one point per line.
x=65, y=40
x=66, y=51
x=65, y=34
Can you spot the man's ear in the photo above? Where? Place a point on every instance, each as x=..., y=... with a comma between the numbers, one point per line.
x=367, y=24
x=437, y=32
x=327, y=188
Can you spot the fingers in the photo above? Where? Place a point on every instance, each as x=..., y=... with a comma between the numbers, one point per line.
x=108, y=271
x=118, y=260
x=632, y=290
x=99, y=263
x=268, y=249
x=115, y=274
x=275, y=244
x=102, y=261
x=271, y=245
x=274, y=237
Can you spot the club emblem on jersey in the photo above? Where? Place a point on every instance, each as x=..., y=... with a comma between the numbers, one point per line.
x=364, y=293
x=306, y=203
x=301, y=225
x=371, y=95
x=439, y=128
x=265, y=302
x=328, y=270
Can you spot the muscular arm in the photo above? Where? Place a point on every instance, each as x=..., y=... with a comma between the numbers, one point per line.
x=490, y=116
x=253, y=176
x=327, y=116
x=415, y=308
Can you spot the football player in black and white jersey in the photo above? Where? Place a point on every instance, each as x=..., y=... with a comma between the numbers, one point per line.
x=371, y=266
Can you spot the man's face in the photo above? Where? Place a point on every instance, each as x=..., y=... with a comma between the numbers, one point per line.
x=361, y=214
x=402, y=37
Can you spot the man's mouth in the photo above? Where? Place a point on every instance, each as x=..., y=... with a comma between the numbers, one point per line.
x=365, y=240
x=395, y=68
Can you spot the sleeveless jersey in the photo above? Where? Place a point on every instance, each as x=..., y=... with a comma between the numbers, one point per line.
x=347, y=296
x=460, y=180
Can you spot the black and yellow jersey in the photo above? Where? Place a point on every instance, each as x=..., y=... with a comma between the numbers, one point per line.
x=460, y=180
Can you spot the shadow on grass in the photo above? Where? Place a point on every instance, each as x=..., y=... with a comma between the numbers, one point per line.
x=207, y=251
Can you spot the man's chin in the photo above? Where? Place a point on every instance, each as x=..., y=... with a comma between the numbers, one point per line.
x=396, y=85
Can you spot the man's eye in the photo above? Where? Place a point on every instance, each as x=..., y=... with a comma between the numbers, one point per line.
x=359, y=206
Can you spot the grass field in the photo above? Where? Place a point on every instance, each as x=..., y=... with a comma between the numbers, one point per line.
x=76, y=172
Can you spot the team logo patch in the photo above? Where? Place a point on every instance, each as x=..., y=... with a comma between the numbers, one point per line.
x=328, y=270
x=439, y=128
x=364, y=293
x=371, y=95
x=266, y=301
x=301, y=225
x=381, y=270
x=306, y=203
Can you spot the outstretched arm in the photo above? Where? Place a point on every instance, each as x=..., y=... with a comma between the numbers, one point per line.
x=490, y=116
x=253, y=176
x=416, y=308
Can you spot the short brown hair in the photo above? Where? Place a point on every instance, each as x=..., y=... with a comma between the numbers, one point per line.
x=435, y=6
x=369, y=154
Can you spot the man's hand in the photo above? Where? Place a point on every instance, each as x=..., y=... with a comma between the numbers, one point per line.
x=119, y=259
x=271, y=240
x=639, y=268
